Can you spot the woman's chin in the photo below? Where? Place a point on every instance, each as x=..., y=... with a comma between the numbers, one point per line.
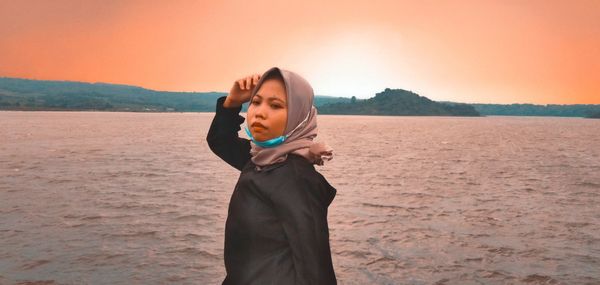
x=261, y=138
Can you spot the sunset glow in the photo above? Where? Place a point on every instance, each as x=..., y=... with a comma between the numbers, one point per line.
x=544, y=52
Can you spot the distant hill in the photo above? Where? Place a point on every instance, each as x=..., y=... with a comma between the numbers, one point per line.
x=398, y=102
x=27, y=94
x=595, y=116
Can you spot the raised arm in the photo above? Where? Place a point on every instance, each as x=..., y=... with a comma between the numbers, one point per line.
x=301, y=206
x=223, y=137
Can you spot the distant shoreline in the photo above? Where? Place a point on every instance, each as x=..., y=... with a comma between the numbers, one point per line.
x=208, y=112
x=69, y=96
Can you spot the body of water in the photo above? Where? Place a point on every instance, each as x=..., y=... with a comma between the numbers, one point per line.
x=139, y=198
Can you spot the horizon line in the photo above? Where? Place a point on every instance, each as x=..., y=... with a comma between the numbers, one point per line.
x=333, y=96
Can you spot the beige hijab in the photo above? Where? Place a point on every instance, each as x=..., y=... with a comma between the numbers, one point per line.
x=301, y=114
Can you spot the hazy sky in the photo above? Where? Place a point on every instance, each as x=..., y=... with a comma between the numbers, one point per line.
x=521, y=51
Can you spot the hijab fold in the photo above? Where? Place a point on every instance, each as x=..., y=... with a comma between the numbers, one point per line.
x=300, y=98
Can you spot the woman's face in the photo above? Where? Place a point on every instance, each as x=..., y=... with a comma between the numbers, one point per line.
x=267, y=112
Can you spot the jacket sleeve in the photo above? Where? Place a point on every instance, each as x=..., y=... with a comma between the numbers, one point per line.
x=300, y=208
x=223, y=137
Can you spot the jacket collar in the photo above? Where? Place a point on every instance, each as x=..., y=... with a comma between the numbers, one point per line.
x=270, y=167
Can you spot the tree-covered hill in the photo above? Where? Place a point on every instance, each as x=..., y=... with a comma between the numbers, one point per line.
x=398, y=102
x=27, y=94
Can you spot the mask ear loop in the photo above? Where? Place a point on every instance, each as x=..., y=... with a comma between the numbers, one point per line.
x=303, y=121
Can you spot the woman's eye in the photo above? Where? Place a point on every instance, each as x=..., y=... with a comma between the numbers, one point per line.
x=254, y=102
x=275, y=106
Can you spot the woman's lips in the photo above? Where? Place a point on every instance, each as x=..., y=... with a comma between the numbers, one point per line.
x=257, y=128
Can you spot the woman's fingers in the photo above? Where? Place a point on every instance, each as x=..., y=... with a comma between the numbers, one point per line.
x=241, y=84
x=255, y=78
x=246, y=83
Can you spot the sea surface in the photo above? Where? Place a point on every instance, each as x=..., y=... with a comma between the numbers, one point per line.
x=139, y=198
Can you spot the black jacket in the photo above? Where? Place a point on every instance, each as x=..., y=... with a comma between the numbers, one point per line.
x=276, y=230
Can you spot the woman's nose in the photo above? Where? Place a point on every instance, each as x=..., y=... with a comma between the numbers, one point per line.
x=260, y=111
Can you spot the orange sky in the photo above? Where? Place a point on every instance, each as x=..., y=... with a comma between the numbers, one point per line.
x=544, y=52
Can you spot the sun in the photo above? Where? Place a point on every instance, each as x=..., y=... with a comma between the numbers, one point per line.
x=351, y=64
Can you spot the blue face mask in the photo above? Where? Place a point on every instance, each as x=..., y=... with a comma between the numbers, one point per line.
x=274, y=141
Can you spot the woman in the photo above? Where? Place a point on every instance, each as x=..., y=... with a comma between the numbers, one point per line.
x=276, y=230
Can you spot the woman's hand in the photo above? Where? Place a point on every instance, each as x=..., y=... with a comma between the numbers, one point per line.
x=241, y=91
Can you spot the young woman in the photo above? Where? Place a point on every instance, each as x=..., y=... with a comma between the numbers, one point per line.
x=276, y=230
